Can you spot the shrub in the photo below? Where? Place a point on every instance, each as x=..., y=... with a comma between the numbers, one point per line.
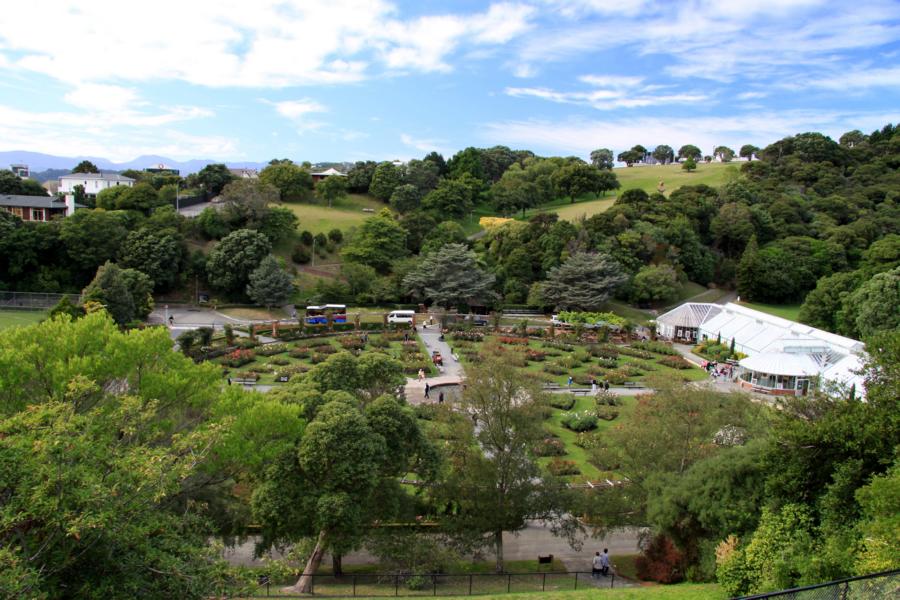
x=246, y=343
x=290, y=371
x=660, y=561
x=656, y=348
x=278, y=361
x=675, y=362
x=581, y=355
x=306, y=237
x=587, y=440
x=321, y=240
x=426, y=412
x=550, y=447
x=352, y=343
x=301, y=352
x=336, y=236
x=535, y=355
x=559, y=467
x=557, y=345
x=471, y=336
x=271, y=349
x=411, y=367
x=247, y=375
x=555, y=369
x=607, y=413
x=606, y=398
x=301, y=254
x=562, y=401
x=324, y=349
x=317, y=357
x=503, y=339
x=607, y=363
x=635, y=352
x=616, y=376
x=579, y=421
x=239, y=358
x=603, y=351
x=379, y=341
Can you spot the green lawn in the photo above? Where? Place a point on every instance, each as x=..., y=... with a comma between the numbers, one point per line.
x=682, y=591
x=647, y=178
x=785, y=311
x=345, y=213
x=570, y=211
x=14, y=318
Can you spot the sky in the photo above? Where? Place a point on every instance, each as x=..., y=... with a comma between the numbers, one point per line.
x=348, y=80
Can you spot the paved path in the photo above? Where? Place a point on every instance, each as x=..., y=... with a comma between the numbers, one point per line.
x=452, y=369
x=187, y=318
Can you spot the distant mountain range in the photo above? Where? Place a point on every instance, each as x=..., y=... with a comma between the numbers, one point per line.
x=37, y=162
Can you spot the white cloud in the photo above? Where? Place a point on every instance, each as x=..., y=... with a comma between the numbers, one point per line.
x=611, y=92
x=853, y=80
x=578, y=136
x=423, y=145
x=216, y=43
x=297, y=109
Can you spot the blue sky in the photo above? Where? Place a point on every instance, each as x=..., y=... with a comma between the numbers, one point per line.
x=371, y=79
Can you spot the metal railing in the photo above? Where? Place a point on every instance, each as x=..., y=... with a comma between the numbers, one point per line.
x=372, y=585
x=865, y=587
x=34, y=300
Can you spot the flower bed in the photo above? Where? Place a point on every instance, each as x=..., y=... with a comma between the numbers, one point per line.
x=635, y=352
x=470, y=336
x=352, y=343
x=607, y=363
x=579, y=421
x=607, y=398
x=521, y=341
x=301, y=352
x=247, y=375
x=279, y=361
x=562, y=401
x=656, y=348
x=290, y=371
x=675, y=362
x=271, y=349
x=607, y=413
x=535, y=355
x=560, y=468
x=239, y=358
x=550, y=447
x=603, y=351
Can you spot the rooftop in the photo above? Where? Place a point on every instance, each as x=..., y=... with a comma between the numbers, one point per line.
x=33, y=201
x=99, y=176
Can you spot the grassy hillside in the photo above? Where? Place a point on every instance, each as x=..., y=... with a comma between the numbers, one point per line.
x=345, y=214
x=648, y=177
x=785, y=311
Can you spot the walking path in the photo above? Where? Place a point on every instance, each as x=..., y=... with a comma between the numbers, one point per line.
x=451, y=373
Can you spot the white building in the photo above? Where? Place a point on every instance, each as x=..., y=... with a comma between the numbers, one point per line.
x=784, y=357
x=93, y=184
x=682, y=324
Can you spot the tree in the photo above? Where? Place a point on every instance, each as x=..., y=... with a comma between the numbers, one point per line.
x=854, y=138
x=577, y=179
x=109, y=198
x=385, y=180
x=10, y=183
x=664, y=154
x=654, y=284
x=246, y=202
x=406, y=198
x=438, y=159
x=689, y=151
x=689, y=165
x=91, y=238
x=279, y=224
x=602, y=158
x=865, y=309
x=141, y=288
x=748, y=151
x=450, y=277
x=360, y=176
x=293, y=182
x=823, y=307
x=332, y=188
x=467, y=162
x=723, y=153
x=378, y=242
x=231, y=261
x=158, y=254
x=452, y=199
x=213, y=178
x=629, y=157
x=110, y=290
x=495, y=481
x=583, y=282
x=269, y=284
x=85, y=166
x=446, y=232
x=423, y=174
x=141, y=197
x=732, y=228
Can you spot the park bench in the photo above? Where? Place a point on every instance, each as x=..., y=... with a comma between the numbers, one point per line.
x=244, y=381
x=633, y=384
x=371, y=210
x=545, y=560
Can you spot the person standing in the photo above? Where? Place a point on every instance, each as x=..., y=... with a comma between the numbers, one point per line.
x=604, y=562
x=440, y=397
x=570, y=381
x=427, y=389
x=593, y=386
x=606, y=385
x=421, y=374
x=596, y=566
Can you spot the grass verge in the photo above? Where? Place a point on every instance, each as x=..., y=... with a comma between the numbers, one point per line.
x=18, y=318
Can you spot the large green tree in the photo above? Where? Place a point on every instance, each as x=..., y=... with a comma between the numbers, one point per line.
x=583, y=282
x=158, y=253
x=874, y=306
x=654, y=284
x=450, y=277
x=378, y=242
x=85, y=166
x=269, y=284
x=603, y=158
x=231, y=261
x=452, y=198
x=213, y=178
x=331, y=189
x=293, y=182
x=110, y=289
x=689, y=151
x=92, y=237
x=385, y=180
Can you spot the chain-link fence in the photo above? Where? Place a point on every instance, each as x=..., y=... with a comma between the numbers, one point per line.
x=375, y=585
x=33, y=300
x=876, y=586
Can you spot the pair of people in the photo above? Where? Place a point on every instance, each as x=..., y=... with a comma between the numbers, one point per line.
x=600, y=564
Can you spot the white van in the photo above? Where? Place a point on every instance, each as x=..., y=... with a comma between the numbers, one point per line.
x=401, y=316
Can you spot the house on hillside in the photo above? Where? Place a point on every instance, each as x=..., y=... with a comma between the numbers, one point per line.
x=330, y=172
x=20, y=170
x=242, y=173
x=162, y=169
x=93, y=184
x=34, y=208
x=783, y=358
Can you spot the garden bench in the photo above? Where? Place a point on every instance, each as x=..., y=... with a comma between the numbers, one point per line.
x=545, y=560
x=633, y=384
x=244, y=381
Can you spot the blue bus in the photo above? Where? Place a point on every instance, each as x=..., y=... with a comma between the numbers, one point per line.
x=316, y=315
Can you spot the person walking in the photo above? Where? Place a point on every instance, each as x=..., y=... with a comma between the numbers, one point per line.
x=427, y=389
x=594, y=386
x=421, y=374
x=606, y=385
x=440, y=397
x=596, y=566
x=604, y=562
x=570, y=381
x=171, y=320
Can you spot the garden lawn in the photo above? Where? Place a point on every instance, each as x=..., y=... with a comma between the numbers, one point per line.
x=785, y=311
x=681, y=591
x=570, y=211
x=254, y=313
x=647, y=178
x=345, y=214
x=17, y=318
